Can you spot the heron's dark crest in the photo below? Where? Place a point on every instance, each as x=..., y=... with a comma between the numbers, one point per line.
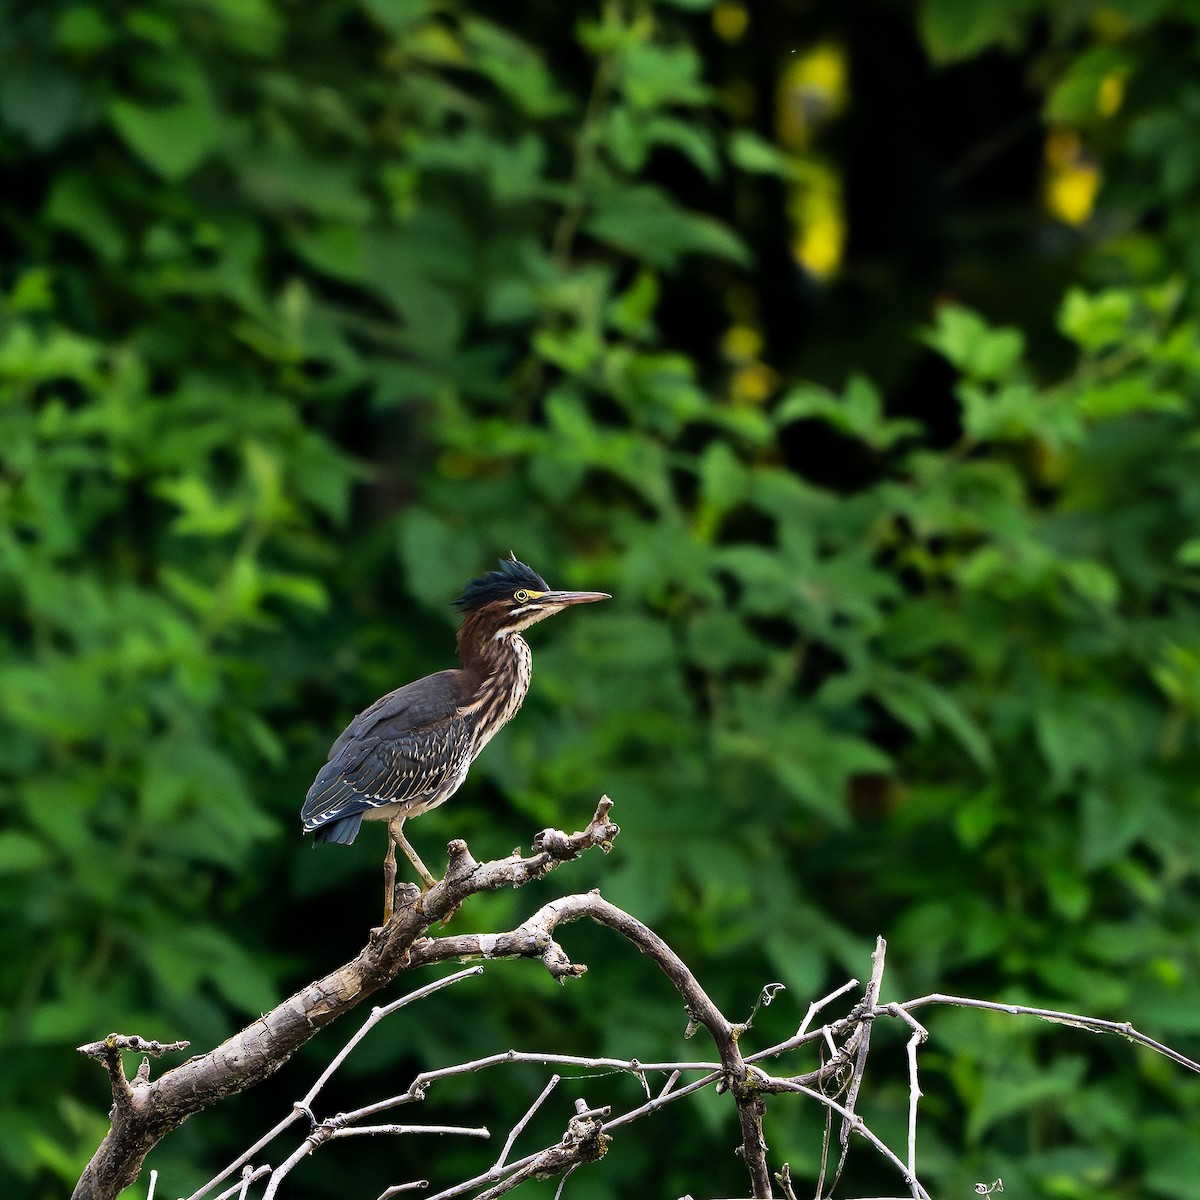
x=499, y=585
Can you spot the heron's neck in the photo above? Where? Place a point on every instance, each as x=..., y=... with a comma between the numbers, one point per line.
x=497, y=670
x=484, y=653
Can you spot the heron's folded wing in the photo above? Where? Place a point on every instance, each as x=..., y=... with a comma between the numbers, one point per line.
x=386, y=767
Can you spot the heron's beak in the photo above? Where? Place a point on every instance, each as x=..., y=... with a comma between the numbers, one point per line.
x=573, y=597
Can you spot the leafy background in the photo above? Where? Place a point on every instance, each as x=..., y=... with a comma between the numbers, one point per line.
x=853, y=348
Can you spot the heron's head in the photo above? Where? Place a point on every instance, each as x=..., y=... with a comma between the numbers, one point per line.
x=515, y=597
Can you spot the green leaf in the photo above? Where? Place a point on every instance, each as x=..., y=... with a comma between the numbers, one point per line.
x=750, y=152
x=724, y=481
x=397, y=15
x=645, y=223
x=76, y=203
x=1076, y=98
x=1096, y=320
x=653, y=76
x=1133, y=394
x=172, y=139
x=1188, y=554
x=977, y=818
x=1073, y=738
x=515, y=66
x=82, y=29
x=437, y=557
x=21, y=853
x=953, y=30
x=1021, y=1088
x=1011, y=412
x=1172, y=1158
x=973, y=346
x=39, y=101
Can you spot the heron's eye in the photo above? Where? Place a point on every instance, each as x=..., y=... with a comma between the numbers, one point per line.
x=521, y=596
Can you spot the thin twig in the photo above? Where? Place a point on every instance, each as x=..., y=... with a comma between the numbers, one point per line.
x=246, y=1155
x=857, y=1125
x=377, y=1015
x=520, y=1125
x=765, y=996
x=562, y=1183
x=919, y=1035
x=420, y=1084
x=814, y=1008
x=304, y=1107
x=784, y=1179
x=826, y=1134
x=475, y=1131
x=661, y=1100
x=242, y=1187
x=305, y=1148
x=1093, y=1024
x=863, y=1034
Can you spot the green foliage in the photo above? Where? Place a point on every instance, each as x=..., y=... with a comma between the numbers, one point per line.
x=309, y=314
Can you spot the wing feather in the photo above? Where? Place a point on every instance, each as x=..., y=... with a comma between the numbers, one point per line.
x=409, y=745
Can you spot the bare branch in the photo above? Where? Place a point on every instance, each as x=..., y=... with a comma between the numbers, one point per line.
x=242, y=1187
x=420, y=1085
x=583, y=1142
x=857, y=1125
x=816, y=1006
x=1092, y=1024
x=520, y=1125
x=144, y=1111
x=304, y=1107
x=534, y=939
x=765, y=996
x=919, y=1035
x=245, y=1157
x=139, y=1045
x=377, y=1015
x=265, y=1045
x=784, y=1178
x=475, y=1131
x=863, y=1034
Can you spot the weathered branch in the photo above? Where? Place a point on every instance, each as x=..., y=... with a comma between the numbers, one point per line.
x=582, y=1143
x=1056, y=1016
x=144, y=1112
x=534, y=938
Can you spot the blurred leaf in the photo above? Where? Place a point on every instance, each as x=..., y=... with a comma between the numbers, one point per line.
x=979, y=351
x=1006, y=1094
x=956, y=29
x=1098, y=320
x=19, y=853
x=1079, y=96
x=173, y=139
x=642, y=221
x=39, y=100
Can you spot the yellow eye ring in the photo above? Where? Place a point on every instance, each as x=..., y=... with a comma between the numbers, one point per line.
x=521, y=596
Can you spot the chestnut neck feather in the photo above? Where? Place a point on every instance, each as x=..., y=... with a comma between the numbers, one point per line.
x=480, y=651
x=495, y=671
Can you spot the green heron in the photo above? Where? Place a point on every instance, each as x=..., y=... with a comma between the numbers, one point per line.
x=411, y=750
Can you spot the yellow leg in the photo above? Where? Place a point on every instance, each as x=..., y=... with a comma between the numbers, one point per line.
x=396, y=831
x=389, y=879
